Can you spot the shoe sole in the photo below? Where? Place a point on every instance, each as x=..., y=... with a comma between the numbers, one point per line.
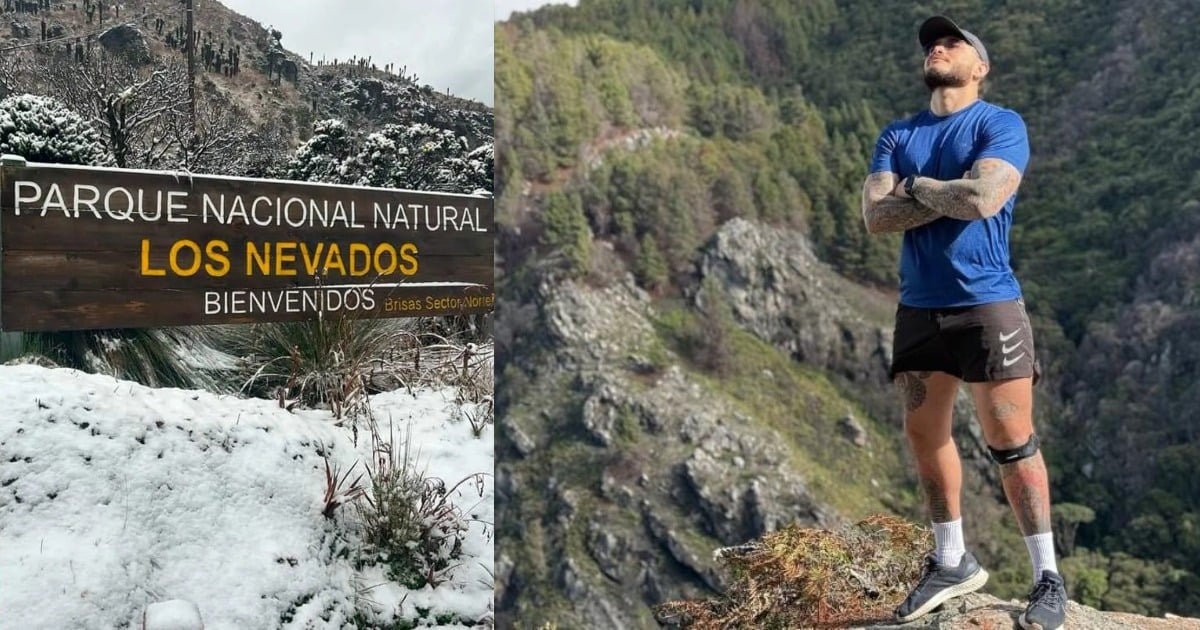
x=970, y=585
x=1034, y=626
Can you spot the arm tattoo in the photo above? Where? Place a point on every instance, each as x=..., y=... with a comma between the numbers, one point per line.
x=991, y=182
x=1028, y=493
x=885, y=212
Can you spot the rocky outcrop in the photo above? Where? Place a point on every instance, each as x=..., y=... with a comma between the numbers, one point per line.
x=129, y=41
x=625, y=471
x=622, y=467
x=779, y=290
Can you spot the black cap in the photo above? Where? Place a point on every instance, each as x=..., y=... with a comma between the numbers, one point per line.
x=939, y=26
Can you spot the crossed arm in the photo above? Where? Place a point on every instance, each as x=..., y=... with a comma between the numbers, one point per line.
x=981, y=193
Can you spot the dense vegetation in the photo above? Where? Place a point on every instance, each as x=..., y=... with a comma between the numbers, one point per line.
x=768, y=109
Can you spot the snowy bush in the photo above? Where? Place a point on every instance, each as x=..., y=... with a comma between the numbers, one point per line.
x=409, y=522
x=323, y=157
x=43, y=129
x=416, y=157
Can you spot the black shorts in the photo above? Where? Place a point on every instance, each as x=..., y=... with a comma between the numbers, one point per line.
x=988, y=342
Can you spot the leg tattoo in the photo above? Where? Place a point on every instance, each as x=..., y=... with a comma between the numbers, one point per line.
x=1028, y=492
x=935, y=499
x=913, y=387
x=1004, y=410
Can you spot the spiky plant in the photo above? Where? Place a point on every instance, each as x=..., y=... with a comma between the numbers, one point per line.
x=326, y=363
x=408, y=519
x=157, y=358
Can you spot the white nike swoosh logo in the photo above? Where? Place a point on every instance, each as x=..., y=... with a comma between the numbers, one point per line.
x=1006, y=348
x=1008, y=362
x=1004, y=338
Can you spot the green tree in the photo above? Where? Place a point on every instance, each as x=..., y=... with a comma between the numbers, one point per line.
x=43, y=129
x=651, y=266
x=565, y=230
x=1067, y=519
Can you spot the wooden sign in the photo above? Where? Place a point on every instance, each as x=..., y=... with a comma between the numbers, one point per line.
x=87, y=247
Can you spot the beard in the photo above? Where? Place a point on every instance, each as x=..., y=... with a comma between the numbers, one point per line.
x=935, y=79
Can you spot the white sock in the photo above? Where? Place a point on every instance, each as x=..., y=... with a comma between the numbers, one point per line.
x=1041, y=553
x=949, y=540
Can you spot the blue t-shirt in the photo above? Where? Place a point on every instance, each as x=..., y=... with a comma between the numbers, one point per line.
x=950, y=262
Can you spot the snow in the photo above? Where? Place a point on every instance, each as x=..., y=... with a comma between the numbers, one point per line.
x=115, y=497
x=176, y=614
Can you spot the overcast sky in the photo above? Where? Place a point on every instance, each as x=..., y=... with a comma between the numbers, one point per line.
x=505, y=8
x=447, y=43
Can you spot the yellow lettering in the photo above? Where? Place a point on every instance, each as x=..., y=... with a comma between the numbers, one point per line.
x=253, y=257
x=385, y=248
x=146, y=270
x=173, y=260
x=310, y=262
x=281, y=258
x=334, y=259
x=408, y=256
x=218, y=252
x=365, y=252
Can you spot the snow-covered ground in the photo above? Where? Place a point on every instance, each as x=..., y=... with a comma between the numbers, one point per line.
x=115, y=496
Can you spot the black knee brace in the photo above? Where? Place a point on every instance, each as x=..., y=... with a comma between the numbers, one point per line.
x=1010, y=455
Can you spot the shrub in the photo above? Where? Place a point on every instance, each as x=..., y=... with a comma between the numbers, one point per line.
x=325, y=363
x=409, y=522
x=43, y=129
x=152, y=357
x=798, y=577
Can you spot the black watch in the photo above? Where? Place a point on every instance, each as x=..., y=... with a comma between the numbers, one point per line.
x=908, y=184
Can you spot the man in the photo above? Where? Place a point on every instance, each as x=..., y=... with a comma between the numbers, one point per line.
x=947, y=178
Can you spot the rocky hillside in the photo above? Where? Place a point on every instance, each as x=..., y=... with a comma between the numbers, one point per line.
x=244, y=71
x=624, y=461
x=751, y=127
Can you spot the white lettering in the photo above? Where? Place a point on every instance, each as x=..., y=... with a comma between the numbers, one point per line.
x=254, y=211
x=416, y=208
x=51, y=193
x=172, y=206
x=287, y=212
x=209, y=206
x=108, y=206
x=90, y=203
x=212, y=302
x=339, y=214
x=17, y=193
x=141, y=203
x=315, y=211
x=450, y=215
x=237, y=208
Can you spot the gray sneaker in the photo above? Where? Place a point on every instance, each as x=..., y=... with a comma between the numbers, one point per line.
x=939, y=583
x=1047, y=609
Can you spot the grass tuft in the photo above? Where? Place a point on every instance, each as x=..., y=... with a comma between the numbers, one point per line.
x=797, y=577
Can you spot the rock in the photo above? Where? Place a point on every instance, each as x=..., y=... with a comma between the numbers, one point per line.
x=606, y=549
x=781, y=292
x=519, y=439
x=979, y=610
x=853, y=430
x=127, y=40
